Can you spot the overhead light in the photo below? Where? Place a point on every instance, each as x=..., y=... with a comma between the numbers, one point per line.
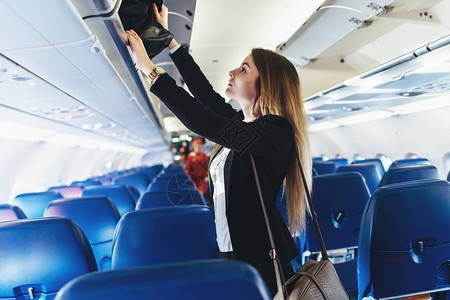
x=185, y=137
x=322, y=126
x=365, y=117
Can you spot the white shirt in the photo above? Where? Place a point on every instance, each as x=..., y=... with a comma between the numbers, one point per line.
x=216, y=170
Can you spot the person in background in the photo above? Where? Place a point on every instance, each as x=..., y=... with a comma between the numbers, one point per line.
x=197, y=166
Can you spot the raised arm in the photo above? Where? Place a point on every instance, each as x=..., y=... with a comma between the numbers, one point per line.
x=198, y=84
x=269, y=136
x=196, y=81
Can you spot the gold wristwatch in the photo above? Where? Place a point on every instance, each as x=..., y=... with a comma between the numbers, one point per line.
x=155, y=74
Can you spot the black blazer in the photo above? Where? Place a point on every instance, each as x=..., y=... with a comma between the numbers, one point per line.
x=270, y=139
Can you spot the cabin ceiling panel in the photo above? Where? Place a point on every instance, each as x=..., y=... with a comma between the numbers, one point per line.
x=422, y=77
x=26, y=17
x=226, y=31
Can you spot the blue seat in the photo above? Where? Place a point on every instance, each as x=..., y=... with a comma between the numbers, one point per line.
x=324, y=167
x=368, y=171
x=134, y=191
x=86, y=183
x=171, y=184
x=314, y=172
x=166, y=176
x=410, y=162
x=119, y=194
x=170, y=198
x=97, y=216
x=404, y=242
x=199, y=280
x=68, y=191
x=163, y=235
x=139, y=180
x=409, y=173
x=104, y=180
x=39, y=256
x=340, y=162
x=34, y=204
x=375, y=161
x=10, y=212
x=339, y=200
x=173, y=168
x=152, y=171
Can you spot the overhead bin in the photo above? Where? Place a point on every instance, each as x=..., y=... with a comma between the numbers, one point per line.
x=330, y=23
x=86, y=61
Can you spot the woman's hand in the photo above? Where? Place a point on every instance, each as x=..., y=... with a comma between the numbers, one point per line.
x=143, y=62
x=162, y=17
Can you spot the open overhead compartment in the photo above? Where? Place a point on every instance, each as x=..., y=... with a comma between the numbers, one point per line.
x=74, y=54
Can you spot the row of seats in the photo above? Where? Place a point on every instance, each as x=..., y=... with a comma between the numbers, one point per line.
x=42, y=255
x=162, y=234
x=340, y=199
x=100, y=208
x=143, y=251
x=373, y=172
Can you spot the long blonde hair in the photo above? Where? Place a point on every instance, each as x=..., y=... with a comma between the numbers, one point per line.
x=279, y=93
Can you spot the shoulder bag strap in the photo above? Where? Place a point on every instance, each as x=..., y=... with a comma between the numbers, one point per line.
x=313, y=213
x=273, y=255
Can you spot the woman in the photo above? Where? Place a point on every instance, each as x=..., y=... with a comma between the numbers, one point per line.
x=272, y=126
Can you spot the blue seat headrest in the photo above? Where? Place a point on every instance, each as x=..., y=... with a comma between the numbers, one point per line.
x=68, y=191
x=375, y=161
x=10, y=212
x=200, y=280
x=170, y=198
x=340, y=161
x=404, y=241
x=162, y=235
x=173, y=168
x=410, y=162
x=42, y=254
x=97, y=216
x=119, y=194
x=324, y=167
x=409, y=173
x=368, y=171
x=139, y=180
x=86, y=183
x=170, y=183
x=104, y=180
x=34, y=204
x=152, y=171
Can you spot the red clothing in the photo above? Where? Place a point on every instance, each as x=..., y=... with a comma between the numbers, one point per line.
x=197, y=169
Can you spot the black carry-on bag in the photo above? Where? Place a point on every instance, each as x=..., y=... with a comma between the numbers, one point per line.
x=315, y=280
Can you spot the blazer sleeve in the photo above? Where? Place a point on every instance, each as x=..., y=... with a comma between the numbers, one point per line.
x=268, y=136
x=198, y=84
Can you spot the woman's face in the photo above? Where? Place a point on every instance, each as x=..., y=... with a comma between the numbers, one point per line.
x=241, y=85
